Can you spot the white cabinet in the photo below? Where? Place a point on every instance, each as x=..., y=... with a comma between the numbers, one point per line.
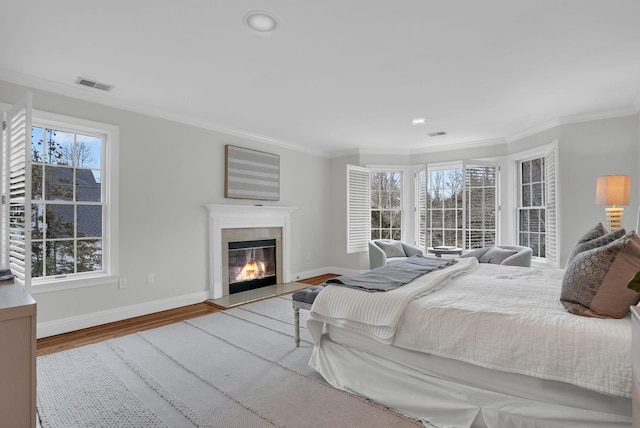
x=17, y=356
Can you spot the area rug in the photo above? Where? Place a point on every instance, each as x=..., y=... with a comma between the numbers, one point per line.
x=237, y=368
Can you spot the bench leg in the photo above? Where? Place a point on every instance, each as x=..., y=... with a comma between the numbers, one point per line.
x=296, y=322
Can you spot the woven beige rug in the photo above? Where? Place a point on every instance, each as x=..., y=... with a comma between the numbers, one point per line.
x=237, y=368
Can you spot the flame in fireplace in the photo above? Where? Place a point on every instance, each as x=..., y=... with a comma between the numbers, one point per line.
x=253, y=269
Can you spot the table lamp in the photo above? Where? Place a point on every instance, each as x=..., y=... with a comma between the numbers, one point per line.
x=613, y=190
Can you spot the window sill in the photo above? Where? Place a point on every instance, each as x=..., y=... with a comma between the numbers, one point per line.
x=49, y=285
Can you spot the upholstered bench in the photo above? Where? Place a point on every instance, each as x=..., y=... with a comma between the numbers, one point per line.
x=303, y=299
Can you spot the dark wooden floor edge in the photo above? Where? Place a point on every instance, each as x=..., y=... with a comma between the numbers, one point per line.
x=90, y=335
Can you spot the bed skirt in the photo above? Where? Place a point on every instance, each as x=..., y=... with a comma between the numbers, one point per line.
x=435, y=391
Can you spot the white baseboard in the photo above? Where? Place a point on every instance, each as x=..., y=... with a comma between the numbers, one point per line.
x=65, y=325
x=323, y=271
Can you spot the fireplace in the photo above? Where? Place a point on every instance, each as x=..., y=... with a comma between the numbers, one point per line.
x=252, y=264
x=238, y=223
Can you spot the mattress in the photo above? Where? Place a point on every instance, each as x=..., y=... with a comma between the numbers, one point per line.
x=497, y=317
x=510, y=319
x=448, y=393
x=511, y=384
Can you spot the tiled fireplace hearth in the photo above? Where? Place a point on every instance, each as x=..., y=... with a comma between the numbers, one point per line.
x=246, y=223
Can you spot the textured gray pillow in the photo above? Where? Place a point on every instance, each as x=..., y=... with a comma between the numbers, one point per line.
x=392, y=248
x=595, y=281
x=595, y=232
x=595, y=243
x=496, y=255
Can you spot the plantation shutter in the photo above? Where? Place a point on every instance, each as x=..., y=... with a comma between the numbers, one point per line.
x=18, y=190
x=551, y=205
x=481, y=204
x=358, y=209
x=4, y=214
x=421, y=207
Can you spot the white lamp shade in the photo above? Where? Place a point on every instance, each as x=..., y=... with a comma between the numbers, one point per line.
x=613, y=190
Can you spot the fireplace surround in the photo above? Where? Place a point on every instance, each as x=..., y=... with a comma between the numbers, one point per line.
x=230, y=223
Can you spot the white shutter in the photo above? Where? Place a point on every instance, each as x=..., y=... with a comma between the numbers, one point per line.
x=551, y=202
x=4, y=214
x=358, y=209
x=18, y=189
x=421, y=207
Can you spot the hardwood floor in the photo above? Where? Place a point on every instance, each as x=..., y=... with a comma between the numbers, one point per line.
x=87, y=336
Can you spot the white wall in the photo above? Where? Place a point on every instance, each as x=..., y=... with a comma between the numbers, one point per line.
x=586, y=150
x=168, y=171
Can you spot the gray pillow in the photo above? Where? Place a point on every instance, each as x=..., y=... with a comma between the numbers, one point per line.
x=392, y=248
x=595, y=281
x=595, y=243
x=595, y=232
x=496, y=255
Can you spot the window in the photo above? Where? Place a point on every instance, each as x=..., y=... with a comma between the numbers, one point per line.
x=480, y=208
x=386, y=205
x=59, y=224
x=445, y=207
x=68, y=207
x=531, y=214
x=375, y=205
x=461, y=205
x=537, y=204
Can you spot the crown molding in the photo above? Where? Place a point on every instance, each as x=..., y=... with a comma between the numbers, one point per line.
x=459, y=146
x=567, y=120
x=108, y=99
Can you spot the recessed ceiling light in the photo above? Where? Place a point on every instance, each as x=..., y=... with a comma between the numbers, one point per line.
x=261, y=21
x=419, y=121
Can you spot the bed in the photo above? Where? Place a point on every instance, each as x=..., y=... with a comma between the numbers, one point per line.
x=476, y=345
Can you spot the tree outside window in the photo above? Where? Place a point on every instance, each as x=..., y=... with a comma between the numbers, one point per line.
x=67, y=203
x=445, y=208
x=461, y=206
x=386, y=205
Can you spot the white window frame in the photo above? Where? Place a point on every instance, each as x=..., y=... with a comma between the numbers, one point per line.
x=464, y=165
x=406, y=228
x=359, y=205
x=110, y=249
x=552, y=204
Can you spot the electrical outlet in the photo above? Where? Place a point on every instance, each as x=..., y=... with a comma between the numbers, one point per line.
x=151, y=279
x=122, y=283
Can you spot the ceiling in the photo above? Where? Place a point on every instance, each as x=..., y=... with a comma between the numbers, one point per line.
x=337, y=75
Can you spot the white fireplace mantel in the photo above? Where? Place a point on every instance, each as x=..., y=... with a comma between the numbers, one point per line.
x=245, y=216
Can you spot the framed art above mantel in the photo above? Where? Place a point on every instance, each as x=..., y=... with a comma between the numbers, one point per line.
x=251, y=174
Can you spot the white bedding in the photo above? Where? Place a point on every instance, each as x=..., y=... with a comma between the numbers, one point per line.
x=498, y=317
x=376, y=315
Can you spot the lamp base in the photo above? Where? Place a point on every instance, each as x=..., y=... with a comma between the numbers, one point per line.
x=614, y=216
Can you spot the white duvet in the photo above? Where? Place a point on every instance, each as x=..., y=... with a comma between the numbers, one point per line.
x=377, y=315
x=498, y=317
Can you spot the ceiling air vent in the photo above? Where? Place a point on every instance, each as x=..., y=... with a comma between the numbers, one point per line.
x=93, y=84
x=436, y=134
